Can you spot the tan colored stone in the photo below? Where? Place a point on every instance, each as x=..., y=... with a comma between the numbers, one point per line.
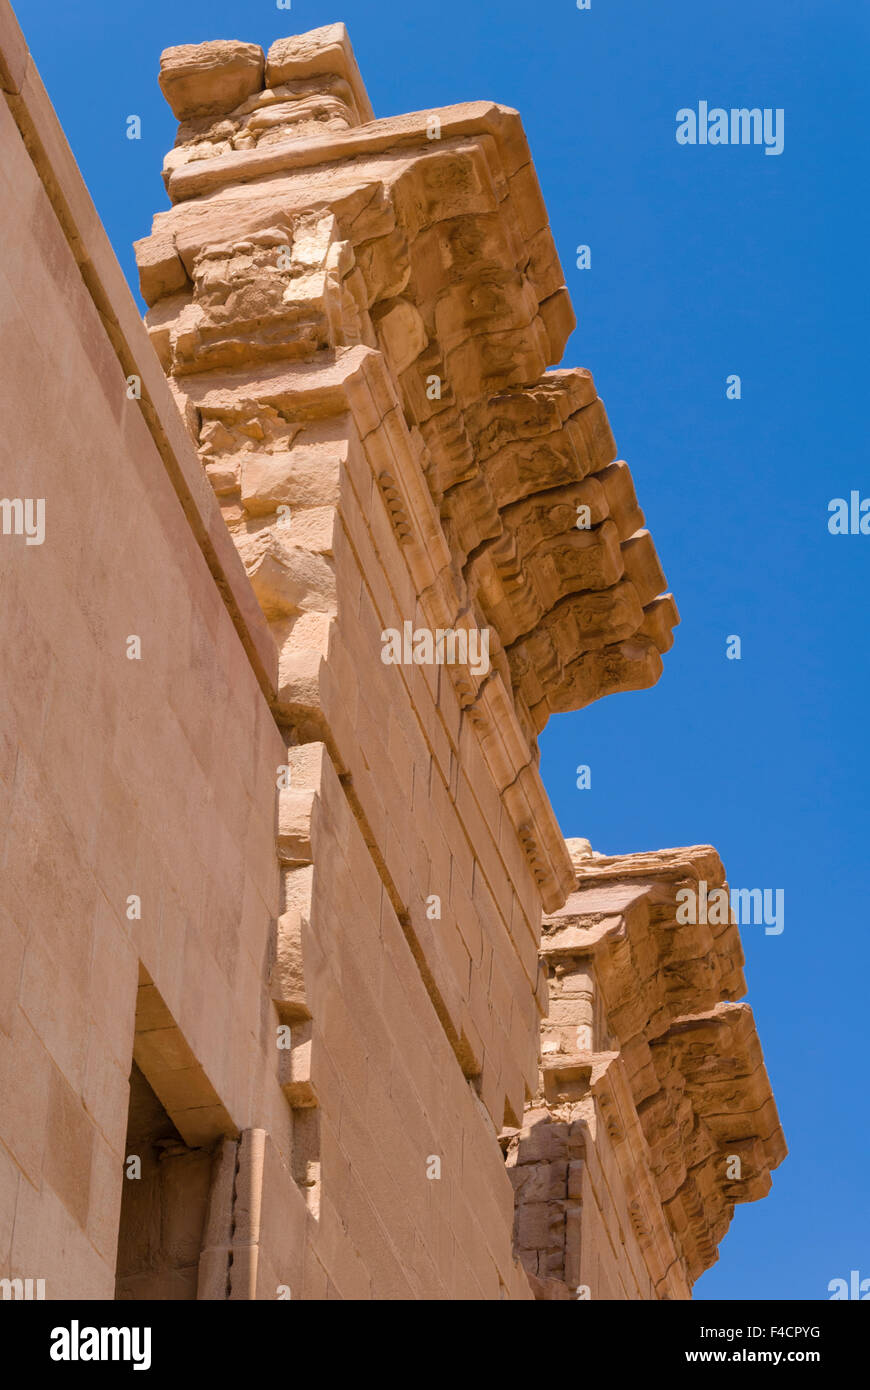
x=318, y=52
x=204, y=79
x=356, y=325
x=649, y=1062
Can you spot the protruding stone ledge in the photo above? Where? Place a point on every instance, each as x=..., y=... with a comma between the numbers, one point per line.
x=436, y=252
x=357, y=328
x=218, y=168
x=650, y=1069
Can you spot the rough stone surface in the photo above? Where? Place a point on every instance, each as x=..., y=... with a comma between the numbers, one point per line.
x=652, y=1085
x=336, y=982
x=207, y=79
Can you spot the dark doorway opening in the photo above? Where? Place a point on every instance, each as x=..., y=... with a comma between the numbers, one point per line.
x=163, y=1209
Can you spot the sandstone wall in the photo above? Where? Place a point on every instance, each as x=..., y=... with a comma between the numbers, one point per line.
x=654, y=1115
x=157, y=777
x=339, y=420
x=151, y=777
x=356, y=320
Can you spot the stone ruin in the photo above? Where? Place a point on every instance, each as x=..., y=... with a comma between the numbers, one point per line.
x=503, y=1069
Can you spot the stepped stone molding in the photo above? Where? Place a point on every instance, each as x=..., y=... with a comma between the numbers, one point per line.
x=652, y=1083
x=299, y=968
x=289, y=247
x=360, y=321
x=356, y=318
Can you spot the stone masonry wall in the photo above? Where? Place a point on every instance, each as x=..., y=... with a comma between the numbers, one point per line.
x=294, y=887
x=163, y=785
x=120, y=777
x=654, y=1114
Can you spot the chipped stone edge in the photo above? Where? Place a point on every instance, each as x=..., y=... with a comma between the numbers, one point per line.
x=59, y=174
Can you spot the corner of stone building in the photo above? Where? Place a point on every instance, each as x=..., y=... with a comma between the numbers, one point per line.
x=397, y=538
x=654, y=1115
x=359, y=322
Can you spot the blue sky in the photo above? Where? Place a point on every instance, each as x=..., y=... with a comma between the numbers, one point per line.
x=706, y=261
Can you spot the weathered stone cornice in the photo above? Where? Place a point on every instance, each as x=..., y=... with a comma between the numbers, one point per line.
x=203, y=166
x=357, y=326
x=357, y=385
x=646, y=1044
x=424, y=236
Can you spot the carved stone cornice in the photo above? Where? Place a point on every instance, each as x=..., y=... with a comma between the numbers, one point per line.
x=426, y=237
x=646, y=1049
x=356, y=318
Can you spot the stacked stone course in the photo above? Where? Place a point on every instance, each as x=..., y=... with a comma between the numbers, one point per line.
x=359, y=323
